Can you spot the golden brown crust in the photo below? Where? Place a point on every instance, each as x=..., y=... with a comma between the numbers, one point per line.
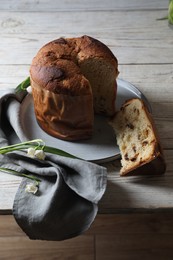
x=57, y=111
x=62, y=93
x=62, y=77
x=58, y=61
x=88, y=47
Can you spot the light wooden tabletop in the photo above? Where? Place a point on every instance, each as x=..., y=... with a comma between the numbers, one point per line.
x=143, y=46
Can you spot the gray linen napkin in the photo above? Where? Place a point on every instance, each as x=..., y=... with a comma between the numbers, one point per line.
x=70, y=189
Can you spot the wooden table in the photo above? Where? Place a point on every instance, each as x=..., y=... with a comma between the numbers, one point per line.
x=135, y=214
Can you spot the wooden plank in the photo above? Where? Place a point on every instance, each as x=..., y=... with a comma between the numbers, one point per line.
x=105, y=224
x=151, y=80
x=131, y=194
x=122, y=224
x=155, y=81
x=34, y=5
x=133, y=236
x=9, y=227
x=138, y=193
x=118, y=236
x=8, y=187
x=127, y=51
x=164, y=129
x=134, y=246
x=143, y=47
x=131, y=39
x=81, y=248
x=14, y=242
x=140, y=23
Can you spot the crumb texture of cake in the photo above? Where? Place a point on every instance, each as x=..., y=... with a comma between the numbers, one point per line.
x=137, y=140
x=71, y=80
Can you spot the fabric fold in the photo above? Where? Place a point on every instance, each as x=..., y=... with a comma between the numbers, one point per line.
x=66, y=202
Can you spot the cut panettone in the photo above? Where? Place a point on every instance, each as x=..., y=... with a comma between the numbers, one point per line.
x=137, y=139
x=72, y=79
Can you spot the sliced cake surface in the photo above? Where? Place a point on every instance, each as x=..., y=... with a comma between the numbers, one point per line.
x=137, y=139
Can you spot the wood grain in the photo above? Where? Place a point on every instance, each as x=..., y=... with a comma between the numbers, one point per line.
x=132, y=40
x=134, y=194
x=135, y=213
x=59, y=6
x=134, y=246
x=138, y=193
x=117, y=236
x=22, y=248
x=14, y=243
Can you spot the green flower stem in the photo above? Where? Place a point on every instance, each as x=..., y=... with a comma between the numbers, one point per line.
x=7, y=170
x=23, y=85
x=56, y=151
x=38, y=143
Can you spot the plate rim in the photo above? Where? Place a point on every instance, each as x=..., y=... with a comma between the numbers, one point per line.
x=128, y=86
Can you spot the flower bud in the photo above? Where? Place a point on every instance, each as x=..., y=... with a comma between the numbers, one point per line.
x=31, y=152
x=31, y=188
x=40, y=154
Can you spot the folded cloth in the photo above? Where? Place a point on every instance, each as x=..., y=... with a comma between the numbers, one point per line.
x=66, y=202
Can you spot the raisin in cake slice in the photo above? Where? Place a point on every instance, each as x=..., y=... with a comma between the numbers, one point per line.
x=137, y=139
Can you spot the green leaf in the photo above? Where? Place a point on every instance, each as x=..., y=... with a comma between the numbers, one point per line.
x=23, y=85
x=169, y=17
x=170, y=12
x=37, y=144
x=20, y=174
x=53, y=150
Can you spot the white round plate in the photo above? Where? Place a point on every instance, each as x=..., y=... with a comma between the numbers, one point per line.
x=101, y=147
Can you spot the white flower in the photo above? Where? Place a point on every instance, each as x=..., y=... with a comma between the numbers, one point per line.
x=31, y=188
x=31, y=152
x=40, y=154
x=36, y=153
